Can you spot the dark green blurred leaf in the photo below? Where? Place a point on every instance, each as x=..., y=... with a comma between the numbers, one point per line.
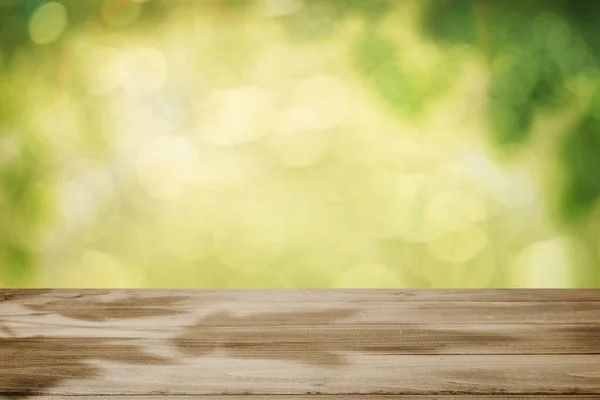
x=451, y=21
x=580, y=154
x=29, y=6
x=512, y=124
x=13, y=31
x=583, y=17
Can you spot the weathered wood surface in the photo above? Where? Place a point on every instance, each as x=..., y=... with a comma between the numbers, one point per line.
x=301, y=344
x=325, y=397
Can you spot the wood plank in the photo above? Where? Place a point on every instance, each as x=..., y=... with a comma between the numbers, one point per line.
x=327, y=397
x=328, y=295
x=313, y=344
x=241, y=314
x=118, y=373
x=215, y=310
x=290, y=340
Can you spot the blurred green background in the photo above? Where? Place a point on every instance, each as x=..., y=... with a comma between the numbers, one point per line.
x=299, y=143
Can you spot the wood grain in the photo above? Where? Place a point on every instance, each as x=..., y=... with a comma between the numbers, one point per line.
x=314, y=344
x=335, y=295
x=329, y=397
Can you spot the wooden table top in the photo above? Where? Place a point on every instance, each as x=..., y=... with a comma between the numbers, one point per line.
x=300, y=344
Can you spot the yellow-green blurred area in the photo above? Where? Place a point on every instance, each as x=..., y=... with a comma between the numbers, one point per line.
x=299, y=143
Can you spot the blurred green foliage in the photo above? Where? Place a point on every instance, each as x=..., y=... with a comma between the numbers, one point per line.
x=541, y=55
x=535, y=48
